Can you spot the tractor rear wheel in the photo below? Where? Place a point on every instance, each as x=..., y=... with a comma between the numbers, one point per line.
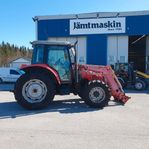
x=34, y=91
x=96, y=94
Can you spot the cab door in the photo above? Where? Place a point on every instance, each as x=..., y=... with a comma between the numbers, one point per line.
x=58, y=58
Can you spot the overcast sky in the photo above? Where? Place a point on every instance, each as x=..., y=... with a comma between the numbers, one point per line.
x=17, y=26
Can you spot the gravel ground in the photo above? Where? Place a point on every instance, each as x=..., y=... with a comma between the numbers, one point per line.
x=69, y=124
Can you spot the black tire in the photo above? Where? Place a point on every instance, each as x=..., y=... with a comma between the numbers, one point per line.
x=96, y=94
x=80, y=94
x=122, y=82
x=34, y=91
x=139, y=85
x=145, y=82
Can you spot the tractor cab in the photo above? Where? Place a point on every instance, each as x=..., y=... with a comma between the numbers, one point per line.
x=58, y=55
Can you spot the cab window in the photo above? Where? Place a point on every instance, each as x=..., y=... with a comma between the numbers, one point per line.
x=38, y=55
x=58, y=58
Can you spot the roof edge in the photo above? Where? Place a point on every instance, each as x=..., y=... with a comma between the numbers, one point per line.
x=92, y=15
x=46, y=42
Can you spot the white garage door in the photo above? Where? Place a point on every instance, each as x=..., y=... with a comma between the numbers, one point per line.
x=81, y=46
x=117, y=49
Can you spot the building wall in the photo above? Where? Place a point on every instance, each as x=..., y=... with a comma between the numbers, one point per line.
x=147, y=45
x=52, y=28
x=100, y=48
x=135, y=25
x=147, y=54
x=97, y=49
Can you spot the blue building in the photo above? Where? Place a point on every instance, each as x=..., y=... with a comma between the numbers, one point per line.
x=103, y=37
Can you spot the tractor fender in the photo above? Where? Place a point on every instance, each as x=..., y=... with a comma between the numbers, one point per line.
x=40, y=68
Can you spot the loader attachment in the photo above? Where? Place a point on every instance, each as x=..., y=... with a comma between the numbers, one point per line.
x=107, y=75
x=116, y=89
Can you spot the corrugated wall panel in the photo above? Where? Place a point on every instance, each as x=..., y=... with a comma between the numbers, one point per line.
x=117, y=49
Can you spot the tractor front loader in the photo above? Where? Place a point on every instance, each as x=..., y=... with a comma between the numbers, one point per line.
x=54, y=71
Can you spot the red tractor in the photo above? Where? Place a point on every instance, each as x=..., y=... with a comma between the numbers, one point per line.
x=54, y=71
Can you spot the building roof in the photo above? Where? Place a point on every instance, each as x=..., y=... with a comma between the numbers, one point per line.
x=46, y=42
x=93, y=15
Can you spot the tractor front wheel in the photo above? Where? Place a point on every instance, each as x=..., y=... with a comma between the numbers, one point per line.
x=96, y=94
x=34, y=91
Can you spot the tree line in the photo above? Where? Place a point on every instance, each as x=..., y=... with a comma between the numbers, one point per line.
x=9, y=52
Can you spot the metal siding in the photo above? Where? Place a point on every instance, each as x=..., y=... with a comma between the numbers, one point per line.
x=97, y=50
x=147, y=45
x=52, y=28
x=147, y=54
x=112, y=50
x=117, y=49
x=96, y=44
x=137, y=25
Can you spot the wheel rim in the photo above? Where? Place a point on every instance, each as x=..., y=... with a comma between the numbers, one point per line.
x=97, y=95
x=34, y=91
x=139, y=85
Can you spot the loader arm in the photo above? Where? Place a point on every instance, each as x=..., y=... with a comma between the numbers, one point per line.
x=107, y=75
x=116, y=89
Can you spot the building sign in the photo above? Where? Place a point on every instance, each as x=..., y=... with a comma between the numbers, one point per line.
x=97, y=26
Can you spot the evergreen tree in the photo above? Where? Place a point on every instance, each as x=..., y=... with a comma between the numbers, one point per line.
x=10, y=52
